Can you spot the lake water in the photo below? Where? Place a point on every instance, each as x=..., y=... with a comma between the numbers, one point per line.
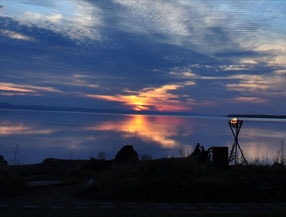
x=31, y=136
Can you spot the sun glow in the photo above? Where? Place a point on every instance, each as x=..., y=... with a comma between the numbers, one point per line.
x=137, y=103
x=157, y=99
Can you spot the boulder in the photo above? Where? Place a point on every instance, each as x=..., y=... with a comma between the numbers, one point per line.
x=126, y=154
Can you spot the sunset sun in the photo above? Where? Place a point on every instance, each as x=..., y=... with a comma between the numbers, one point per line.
x=137, y=103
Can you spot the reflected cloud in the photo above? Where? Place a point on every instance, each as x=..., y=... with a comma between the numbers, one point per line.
x=263, y=133
x=155, y=129
x=262, y=151
x=261, y=143
x=9, y=129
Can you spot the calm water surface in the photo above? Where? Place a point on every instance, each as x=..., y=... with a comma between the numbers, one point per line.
x=30, y=137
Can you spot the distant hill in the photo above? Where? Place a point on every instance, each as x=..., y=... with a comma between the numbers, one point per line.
x=90, y=110
x=257, y=116
x=46, y=108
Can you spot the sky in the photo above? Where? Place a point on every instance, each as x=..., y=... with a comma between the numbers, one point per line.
x=199, y=56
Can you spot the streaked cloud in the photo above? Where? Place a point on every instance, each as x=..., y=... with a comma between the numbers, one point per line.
x=22, y=89
x=249, y=100
x=263, y=85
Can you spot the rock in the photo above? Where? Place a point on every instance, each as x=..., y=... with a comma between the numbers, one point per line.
x=126, y=154
x=90, y=186
x=90, y=183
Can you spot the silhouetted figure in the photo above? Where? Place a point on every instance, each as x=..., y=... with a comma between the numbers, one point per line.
x=197, y=149
x=199, y=154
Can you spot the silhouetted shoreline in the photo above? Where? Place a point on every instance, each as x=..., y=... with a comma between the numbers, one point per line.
x=257, y=116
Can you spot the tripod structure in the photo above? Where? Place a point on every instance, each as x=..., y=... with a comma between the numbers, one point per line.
x=236, y=155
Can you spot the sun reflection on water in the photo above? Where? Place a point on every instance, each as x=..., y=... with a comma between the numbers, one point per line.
x=153, y=128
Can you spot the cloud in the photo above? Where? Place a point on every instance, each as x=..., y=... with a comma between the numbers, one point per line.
x=159, y=99
x=145, y=55
x=10, y=89
x=210, y=26
x=263, y=85
x=248, y=100
x=15, y=35
x=78, y=20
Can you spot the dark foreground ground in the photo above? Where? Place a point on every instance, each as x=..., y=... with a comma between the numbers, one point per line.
x=164, y=187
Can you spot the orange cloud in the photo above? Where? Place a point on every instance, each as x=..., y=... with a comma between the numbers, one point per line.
x=10, y=89
x=160, y=99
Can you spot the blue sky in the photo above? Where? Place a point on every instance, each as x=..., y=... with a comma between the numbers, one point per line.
x=201, y=56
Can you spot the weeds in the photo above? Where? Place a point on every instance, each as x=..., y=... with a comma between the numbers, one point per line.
x=280, y=158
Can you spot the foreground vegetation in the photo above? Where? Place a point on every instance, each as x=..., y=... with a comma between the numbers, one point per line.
x=181, y=180
x=167, y=179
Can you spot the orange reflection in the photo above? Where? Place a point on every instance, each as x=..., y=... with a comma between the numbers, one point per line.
x=259, y=143
x=261, y=150
x=7, y=129
x=144, y=127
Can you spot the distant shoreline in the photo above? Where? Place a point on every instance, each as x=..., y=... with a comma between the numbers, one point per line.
x=257, y=116
x=7, y=106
